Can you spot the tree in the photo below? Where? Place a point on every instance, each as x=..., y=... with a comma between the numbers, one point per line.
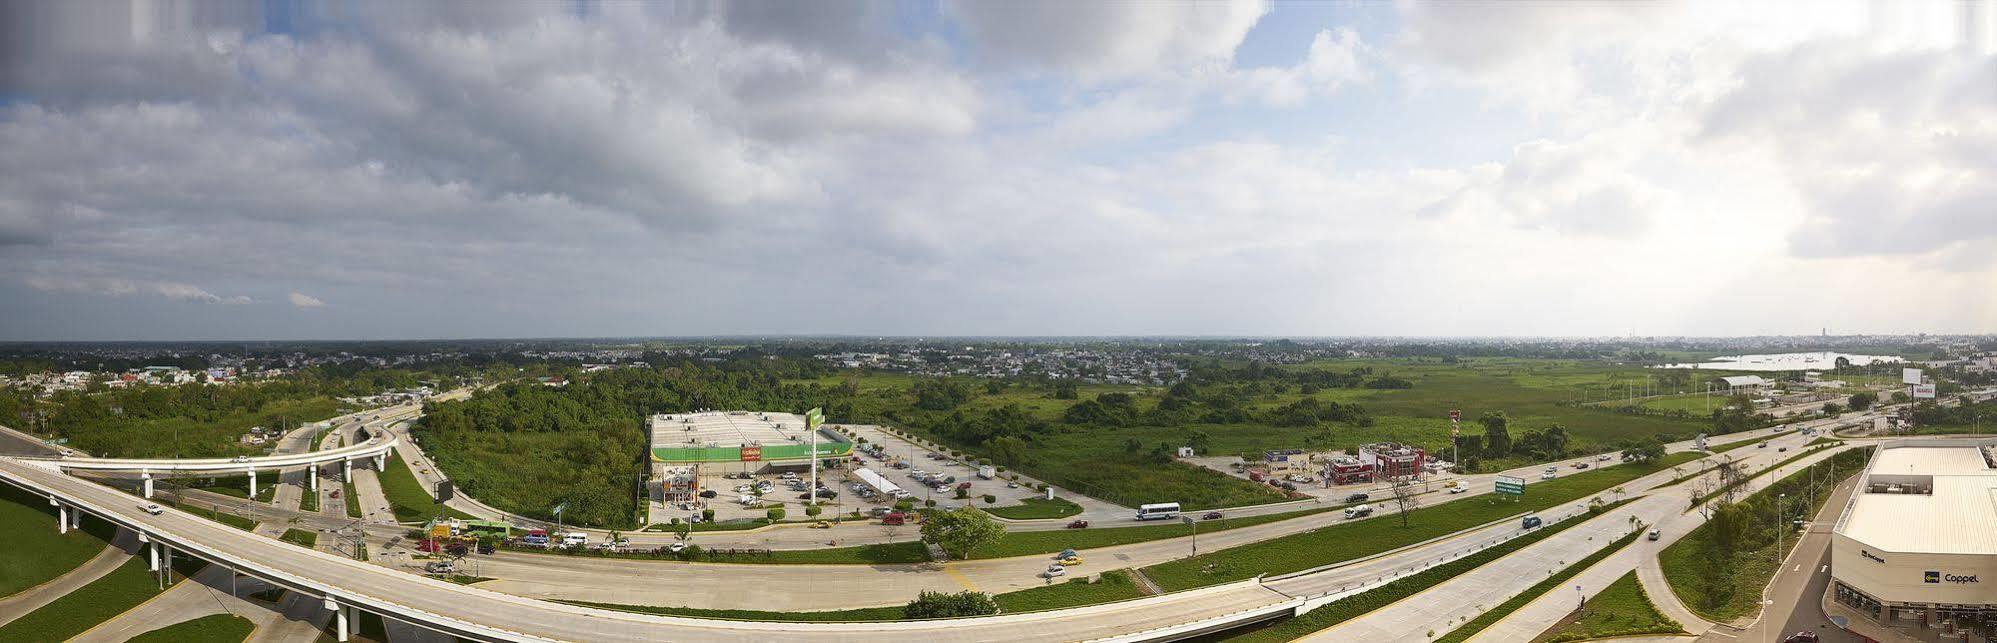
x=707, y=515
x=1900, y=397
x=813, y=510
x=1200, y=441
x=775, y=514
x=1065, y=391
x=1862, y=401
x=961, y=531
x=991, y=499
x=930, y=604
x=1406, y=499
x=1833, y=408
x=1497, y=434
x=682, y=529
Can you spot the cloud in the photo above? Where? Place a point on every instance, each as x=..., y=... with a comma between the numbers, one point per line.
x=1099, y=41
x=121, y=287
x=303, y=300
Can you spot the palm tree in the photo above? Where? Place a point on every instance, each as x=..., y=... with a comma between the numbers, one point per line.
x=1619, y=493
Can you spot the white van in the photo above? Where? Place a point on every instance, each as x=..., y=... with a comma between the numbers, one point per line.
x=574, y=538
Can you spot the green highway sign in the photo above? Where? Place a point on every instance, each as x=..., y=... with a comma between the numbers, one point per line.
x=813, y=418
x=1510, y=484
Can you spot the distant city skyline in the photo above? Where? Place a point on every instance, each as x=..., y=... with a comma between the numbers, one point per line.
x=246, y=171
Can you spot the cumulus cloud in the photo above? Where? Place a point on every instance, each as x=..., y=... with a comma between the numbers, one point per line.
x=303, y=300
x=1107, y=40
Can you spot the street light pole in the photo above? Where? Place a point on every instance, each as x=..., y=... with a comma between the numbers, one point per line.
x=1196, y=533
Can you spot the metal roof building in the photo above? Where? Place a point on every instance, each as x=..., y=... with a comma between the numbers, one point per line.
x=1917, y=543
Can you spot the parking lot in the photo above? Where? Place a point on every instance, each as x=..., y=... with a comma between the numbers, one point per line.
x=895, y=450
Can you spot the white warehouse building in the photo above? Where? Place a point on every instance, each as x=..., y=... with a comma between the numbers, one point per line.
x=1916, y=546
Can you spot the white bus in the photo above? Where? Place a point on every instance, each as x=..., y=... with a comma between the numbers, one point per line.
x=1160, y=511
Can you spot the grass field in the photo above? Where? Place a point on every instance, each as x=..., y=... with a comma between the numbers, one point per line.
x=1534, y=393
x=1621, y=609
x=1553, y=582
x=1037, y=508
x=34, y=553
x=352, y=498
x=901, y=552
x=122, y=589
x=213, y=628
x=308, y=501
x=1027, y=543
x=300, y=537
x=406, y=495
x=1351, y=540
x=1112, y=586
x=1355, y=606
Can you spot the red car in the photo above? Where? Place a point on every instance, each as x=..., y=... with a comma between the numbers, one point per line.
x=1079, y=524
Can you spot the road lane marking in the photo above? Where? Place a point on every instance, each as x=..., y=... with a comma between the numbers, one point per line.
x=959, y=577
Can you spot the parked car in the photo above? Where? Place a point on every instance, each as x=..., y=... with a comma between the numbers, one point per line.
x=1358, y=497
x=1079, y=524
x=440, y=567
x=708, y=493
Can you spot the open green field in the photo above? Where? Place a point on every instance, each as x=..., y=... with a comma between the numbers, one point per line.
x=213, y=628
x=1099, y=461
x=406, y=495
x=1347, y=541
x=34, y=553
x=1037, y=508
x=1621, y=609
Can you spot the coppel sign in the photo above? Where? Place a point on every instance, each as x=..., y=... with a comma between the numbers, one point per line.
x=1938, y=577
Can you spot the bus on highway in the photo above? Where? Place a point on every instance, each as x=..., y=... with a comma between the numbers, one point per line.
x=1160, y=511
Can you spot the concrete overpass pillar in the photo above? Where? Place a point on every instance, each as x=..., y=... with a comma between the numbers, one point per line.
x=312, y=473
x=152, y=557
x=146, y=479
x=381, y=462
x=253, y=484
x=62, y=519
x=341, y=625
x=75, y=518
x=347, y=470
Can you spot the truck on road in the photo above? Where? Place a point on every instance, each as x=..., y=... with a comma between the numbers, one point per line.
x=1358, y=511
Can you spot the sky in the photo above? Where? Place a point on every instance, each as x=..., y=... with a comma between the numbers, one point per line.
x=294, y=170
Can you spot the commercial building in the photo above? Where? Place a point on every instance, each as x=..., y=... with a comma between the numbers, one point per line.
x=1376, y=462
x=1916, y=547
x=739, y=436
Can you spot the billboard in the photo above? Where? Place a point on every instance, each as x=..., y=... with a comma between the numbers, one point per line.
x=752, y=454
x=1924, y=391
x=813, y=418
x=1910, y=376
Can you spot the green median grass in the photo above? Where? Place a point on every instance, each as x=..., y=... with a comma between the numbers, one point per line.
x=210, y=513
x=1358, y=605
x=1721, y=583
x=880, y=554
x=1037, y=509
x=1621, y=609
x=122, y=589
x=300, y=537
x=1030, y=543
x=309, y=501
x=213, y=628
x=34, y=553
x=406, y=494
x=1347, y=541
x=1111, y=586
x=353, y=499
x=1551, y=583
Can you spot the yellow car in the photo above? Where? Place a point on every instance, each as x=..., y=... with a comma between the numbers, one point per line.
x=821, y=525
x=1071, y=561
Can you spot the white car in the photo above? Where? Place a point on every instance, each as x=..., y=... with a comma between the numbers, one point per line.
x=1055, y=570
x=676, y=547
x=240, y=458
x=151, y=508
x=1458, y=489
x=1547, y=476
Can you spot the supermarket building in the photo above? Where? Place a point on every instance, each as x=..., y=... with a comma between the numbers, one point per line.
x=1916, y=546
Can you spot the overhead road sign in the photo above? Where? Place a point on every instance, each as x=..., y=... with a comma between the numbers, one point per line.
x=1509, y=484
x=1924, y=391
